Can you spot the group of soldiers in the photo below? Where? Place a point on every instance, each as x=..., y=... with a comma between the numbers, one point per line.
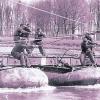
x=23, y=47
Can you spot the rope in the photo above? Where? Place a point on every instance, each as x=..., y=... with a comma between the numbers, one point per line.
x=54, y=14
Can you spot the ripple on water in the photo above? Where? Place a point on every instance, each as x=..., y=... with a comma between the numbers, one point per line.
x=96, y=86
x=26, y=90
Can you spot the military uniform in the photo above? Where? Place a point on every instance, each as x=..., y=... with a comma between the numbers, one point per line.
x=38, y=41
x=18, y=52
x=87, y=50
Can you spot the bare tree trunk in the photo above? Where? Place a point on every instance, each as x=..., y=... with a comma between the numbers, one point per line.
x=98, y=15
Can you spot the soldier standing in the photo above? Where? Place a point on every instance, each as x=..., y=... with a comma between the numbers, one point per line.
x=38, y=40
x=87, y=50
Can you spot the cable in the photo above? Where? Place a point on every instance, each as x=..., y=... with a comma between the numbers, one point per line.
x=46, y=11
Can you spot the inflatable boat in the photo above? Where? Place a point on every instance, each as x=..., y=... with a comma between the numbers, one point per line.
x=62, y=76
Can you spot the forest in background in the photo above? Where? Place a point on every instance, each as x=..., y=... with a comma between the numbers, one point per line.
x=75, y=16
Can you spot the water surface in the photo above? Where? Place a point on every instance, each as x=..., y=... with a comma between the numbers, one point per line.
x=52, y=93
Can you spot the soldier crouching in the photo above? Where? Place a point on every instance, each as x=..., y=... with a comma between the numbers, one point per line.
x=20, y=50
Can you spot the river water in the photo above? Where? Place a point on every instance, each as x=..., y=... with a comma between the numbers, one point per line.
x=52, y=93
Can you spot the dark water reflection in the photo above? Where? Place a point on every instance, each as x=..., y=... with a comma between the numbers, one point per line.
x=60, y=93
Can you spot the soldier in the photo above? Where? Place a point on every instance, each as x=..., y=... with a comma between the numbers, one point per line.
x=87, y=50
x=20, y=38
x=21, y=32
x=38, y=40
x=90, y=40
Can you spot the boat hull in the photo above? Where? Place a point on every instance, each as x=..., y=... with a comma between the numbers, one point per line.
x=58, y=76
x=22, y=78
x=86, y=76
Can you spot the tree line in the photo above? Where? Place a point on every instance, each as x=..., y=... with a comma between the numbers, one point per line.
x=54, y=17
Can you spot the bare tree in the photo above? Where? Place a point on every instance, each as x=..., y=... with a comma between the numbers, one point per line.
x=77, y=13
